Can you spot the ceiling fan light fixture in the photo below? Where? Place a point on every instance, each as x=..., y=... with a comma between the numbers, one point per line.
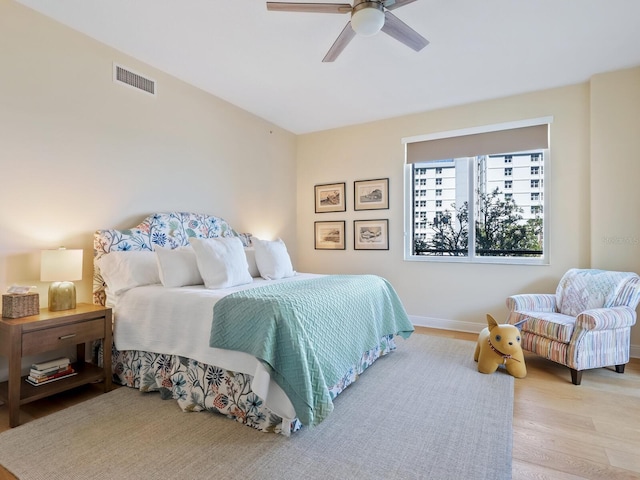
x=367, y=18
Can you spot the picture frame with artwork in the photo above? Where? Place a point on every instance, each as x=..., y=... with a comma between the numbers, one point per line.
x=330, y=197
x=371, y=234
x=371, y=194
x=330, y=235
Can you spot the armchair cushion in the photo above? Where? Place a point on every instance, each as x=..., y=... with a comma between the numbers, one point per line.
x=555, y=326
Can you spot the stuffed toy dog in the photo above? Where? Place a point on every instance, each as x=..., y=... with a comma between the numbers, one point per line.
x=500, y=345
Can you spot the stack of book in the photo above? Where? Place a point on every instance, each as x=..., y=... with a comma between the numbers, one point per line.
x=50, y=371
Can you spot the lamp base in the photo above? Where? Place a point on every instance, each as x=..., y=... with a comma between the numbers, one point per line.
x=62, y=296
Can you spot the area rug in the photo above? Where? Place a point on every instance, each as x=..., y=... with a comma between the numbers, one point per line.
x=422, y=412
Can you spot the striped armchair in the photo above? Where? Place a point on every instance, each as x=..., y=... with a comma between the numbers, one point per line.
x=586, y=324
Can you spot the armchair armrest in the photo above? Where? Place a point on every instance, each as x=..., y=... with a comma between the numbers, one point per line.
x=537, y=302
x=606, y=318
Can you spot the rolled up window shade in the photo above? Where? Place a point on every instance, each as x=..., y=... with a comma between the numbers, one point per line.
x=487, y=143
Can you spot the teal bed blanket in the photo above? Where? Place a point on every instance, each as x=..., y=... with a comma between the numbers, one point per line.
x=310, y=332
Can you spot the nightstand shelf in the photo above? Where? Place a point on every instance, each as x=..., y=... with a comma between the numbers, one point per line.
x=86, y=373
x=48, y=331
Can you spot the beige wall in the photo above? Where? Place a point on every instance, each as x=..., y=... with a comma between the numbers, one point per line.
x=615, y=171
x=458, y=295
x=79, y=152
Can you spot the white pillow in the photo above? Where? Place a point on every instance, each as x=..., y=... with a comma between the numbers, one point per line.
x=123, y=270
x=221, y=261
x=178, y=267
x=273, y=259
x=250, y=252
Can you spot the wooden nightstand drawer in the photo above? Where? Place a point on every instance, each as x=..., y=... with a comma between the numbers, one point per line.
x=60, y=337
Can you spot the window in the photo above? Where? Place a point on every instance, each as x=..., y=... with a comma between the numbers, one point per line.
x=480, y=216
x=438, y=181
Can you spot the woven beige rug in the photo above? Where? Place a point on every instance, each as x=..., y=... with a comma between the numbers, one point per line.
x=422, y=412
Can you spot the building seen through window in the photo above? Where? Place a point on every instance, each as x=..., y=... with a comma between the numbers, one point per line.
x=467, y=208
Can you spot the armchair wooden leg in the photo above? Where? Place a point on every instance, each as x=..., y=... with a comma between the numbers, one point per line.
x=576, y=376
x=620, y=368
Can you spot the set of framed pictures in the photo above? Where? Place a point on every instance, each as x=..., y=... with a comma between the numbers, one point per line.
x=367, y=234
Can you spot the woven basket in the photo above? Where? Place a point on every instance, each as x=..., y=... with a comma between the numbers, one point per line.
x=20, y=305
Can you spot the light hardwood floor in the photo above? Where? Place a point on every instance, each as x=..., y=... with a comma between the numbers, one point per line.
x=560, y=431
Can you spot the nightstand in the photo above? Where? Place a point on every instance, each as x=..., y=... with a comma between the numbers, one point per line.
x=48, y=331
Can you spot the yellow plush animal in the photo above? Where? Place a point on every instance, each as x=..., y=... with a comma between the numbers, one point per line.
x=499, y=344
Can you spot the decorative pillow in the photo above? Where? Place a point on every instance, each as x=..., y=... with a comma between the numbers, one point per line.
x=273, y=259
x=178, y=267
x=584, y=289
x=221, y=261
x=245, y=238
x=123, y=270
x=250, y=252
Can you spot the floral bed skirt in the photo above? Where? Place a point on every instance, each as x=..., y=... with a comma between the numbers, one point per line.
x=198, y=387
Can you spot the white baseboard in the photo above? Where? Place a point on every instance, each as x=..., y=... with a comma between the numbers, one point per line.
x=441, y=323
x=471, y=327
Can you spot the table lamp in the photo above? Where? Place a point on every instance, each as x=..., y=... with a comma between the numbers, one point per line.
x=61, y=267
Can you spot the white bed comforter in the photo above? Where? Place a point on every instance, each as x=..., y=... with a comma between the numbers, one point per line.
x=177, y=321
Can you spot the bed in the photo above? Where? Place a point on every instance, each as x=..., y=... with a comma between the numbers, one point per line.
x=260, y=343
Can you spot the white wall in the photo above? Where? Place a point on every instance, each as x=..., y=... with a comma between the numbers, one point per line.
x=80, y=153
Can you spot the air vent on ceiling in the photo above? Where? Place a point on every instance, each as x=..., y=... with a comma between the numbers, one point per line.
x=127, y=77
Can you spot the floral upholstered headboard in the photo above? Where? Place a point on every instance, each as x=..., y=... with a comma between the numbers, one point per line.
x=169, y=230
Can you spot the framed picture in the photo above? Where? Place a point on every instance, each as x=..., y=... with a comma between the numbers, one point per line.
x=329, y=235
x=330, y=198
x=371, y=234
x=371, y=194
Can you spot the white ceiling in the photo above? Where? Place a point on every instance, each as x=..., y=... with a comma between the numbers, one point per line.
x=269, y=63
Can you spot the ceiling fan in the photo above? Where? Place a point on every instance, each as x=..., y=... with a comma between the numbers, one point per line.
x=368, y=17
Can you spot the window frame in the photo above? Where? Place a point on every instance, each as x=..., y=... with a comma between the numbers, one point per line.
x=472, y=257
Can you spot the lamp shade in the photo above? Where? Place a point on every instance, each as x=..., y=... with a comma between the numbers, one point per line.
x=61, y=265
x=367, y=18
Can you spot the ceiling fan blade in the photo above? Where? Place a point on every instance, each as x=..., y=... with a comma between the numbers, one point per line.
x=342, y=41
x=309, y=7
x=393, y=4
x=402, y=32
